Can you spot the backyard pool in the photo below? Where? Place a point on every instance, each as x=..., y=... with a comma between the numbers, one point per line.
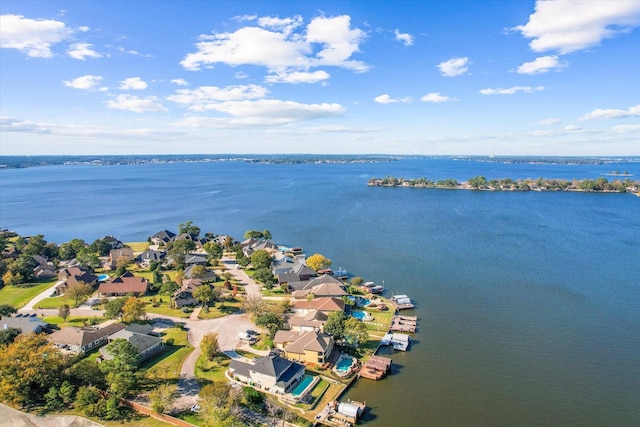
x=360, y=315
x=103, y=277
x=343, y=367
x=302, y=386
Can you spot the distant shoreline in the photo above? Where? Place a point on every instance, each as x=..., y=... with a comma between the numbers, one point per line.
x=480, y=183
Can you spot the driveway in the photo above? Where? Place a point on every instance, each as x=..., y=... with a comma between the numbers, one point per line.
x=43, y=295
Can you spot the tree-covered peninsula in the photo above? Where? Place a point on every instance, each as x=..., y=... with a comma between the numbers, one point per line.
x=600, y=184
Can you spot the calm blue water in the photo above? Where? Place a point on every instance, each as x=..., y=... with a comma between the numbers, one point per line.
x=302, y=385
x=529, y=303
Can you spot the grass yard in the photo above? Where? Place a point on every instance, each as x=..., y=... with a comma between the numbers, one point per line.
x=18, y=296
x=220, y=310
x=163, y=307
x=167, y=364
x=56, y=302
x=138, y=246
x=211, y=371
x=72, y=321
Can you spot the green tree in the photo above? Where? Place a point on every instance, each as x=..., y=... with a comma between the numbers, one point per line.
x=213, y=250
x=113, y=308
x=357, y=281
x=253, y=234
x=189, y=228
x=101, y=247
x=79, y=292
x=218, y=403
x=335, y=325
x=204, y=294
x=133, y=309
x=86, y=373
x=162, y=397
x=318, y=262
x=52, y=399
x=120, y=367
x=261, y=259
x=8, y=335
x=64, y=311
x=209, y=346
x=266, y=234
x=478, y=182
x=355, y=332
x=199, y=272
x=264, y=275
x=87, y=259
x=168, y=288
x=7, y=310
x=87, y=399
x=271, y=321
x=35, y=245
x=178, y=251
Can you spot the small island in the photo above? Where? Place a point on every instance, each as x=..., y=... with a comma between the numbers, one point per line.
x=480, y=183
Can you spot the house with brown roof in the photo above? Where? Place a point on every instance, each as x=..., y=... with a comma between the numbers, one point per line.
x=117, y=254
x=72, y=275
x=80, y=340
x=326, y=305
x=310, y=347
x=311, y=320
x=127, y=284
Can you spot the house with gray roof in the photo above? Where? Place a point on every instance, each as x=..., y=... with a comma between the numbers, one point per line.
x=149, y=256
x=80, y=340
x=270, y=373
x=26, y=324
x=138, y=335
x=163, y=237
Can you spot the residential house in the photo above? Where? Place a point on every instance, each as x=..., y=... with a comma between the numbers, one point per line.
x=309, y=320
x=270, y=373
x=138, y=335
x=44, y=269
x=116, y=255
x=72, y=275
x=149, y=256
x=195, y=259
x=127, y=284
x=196, y=240
x=26, y=324
x=161, y=238
x=250, y=246
x=309, y=284
x=184, y=295
x=115, y=243
x=311, y=347
x=209, y=275
x=324, y=304
x=80, y=340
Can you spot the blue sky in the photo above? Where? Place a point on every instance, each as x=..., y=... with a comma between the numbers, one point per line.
x=399, y=77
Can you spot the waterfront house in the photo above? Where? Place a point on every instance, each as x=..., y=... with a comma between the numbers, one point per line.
x=250, y=246
x=149, y=256
x=113, y=242
x=311, y=347
x=209, y=275
x=115, y=255
x=80, y=340
x=308, y=285
x=311, y=320
x=326, y=305
x=161, y=238
x=270, y=373
x=127, y=284
x=71, y=275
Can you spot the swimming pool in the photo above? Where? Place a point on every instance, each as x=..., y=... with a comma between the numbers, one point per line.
x=302, y=385
x=364, y=301
x=103, y=277
x=344, y=364
x=360, y=315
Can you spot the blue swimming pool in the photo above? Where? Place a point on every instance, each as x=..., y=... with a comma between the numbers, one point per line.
x=103, y=277
x=360, y=315
x=364, y=301
x=302, y=385
x=344, y=364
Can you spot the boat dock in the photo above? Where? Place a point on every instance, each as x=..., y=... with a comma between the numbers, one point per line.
x=404, y=323
x=340, y=413
x=376, y=367
x=402, y=302
x=397, y=340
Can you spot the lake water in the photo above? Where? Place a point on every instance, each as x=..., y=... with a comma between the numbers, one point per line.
x=529, y=303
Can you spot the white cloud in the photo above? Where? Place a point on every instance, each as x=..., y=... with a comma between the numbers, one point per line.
x=454, y=67
x=206, y=97
x=282, y=47
x=135, y=104
x=626, y=128
x=611, y=113
x=405, y=38
x=133, y=83
x=570, y=25
x=9, y=124
x=571, y=128
x=298, y=77
x=263, y=112
x=34, y=37
x=82, y=51
x=435, y=97
x=88, y=82
x=511, y=90
x=386, y=99
x=179, y=82
x=541, y=65
x=549, y=122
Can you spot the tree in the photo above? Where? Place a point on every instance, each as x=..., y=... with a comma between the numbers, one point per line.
x=113, y=309
x=7, y=310
x=87, y=399
x=64, y=311
x=261, y=259
x=29, y=367
x=355, y=332
x=133, y=309
x=204, y=294
x=189, y=228
x=79, y=292
x=335, y=325
x=228, y=242
x=271, y=321
x=209, y=346
x=11, y=279
x=213, y=250
x=162, y=397
x=178, y=250
x=9, y=335
x=255, y=305
x=218, y=403
x=87, y=259
x=35, y=245
x=318, y=262
x=121, y=266
x=101, y=247
x=357, y=281
x=120, y=368
x=87, y=373
x=199, y=272
x=253, y=234
x=266, y=234
x=168, y=288
x=264, y=275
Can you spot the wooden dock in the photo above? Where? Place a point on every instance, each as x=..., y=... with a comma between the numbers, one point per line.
x=376, y=367
x=404, y=323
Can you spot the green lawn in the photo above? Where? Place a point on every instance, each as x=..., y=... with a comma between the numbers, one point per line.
x=211, y=371
x=56, y=302
x=220, y=310
x=18, y=296
x=163, y=307
x=72, y=321
x=167, y=364
x=138, y=246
